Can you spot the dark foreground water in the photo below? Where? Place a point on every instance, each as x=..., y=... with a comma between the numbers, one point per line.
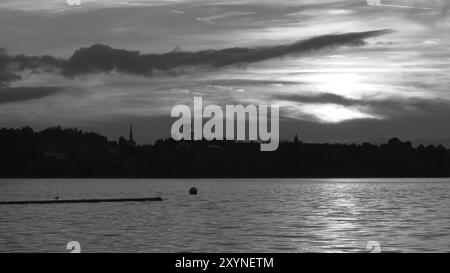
x=272, y=215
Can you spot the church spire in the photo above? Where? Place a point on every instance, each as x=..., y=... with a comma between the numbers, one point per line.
x=130, y=138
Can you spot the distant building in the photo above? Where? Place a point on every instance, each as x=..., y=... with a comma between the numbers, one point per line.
x=128, y=142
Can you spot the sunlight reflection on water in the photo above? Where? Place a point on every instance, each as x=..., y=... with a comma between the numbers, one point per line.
x=270, y=215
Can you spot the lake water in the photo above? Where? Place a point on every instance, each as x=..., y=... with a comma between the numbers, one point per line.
x=257, y=215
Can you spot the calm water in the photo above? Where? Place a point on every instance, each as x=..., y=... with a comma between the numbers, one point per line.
x=281, y=215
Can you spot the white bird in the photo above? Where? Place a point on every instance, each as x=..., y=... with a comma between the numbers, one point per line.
x=380, y=4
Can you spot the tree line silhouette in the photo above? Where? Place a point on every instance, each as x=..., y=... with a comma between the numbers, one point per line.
x=70, y=153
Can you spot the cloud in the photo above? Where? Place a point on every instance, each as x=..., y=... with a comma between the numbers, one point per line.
x=432, y=42
x=17, y=94
x=101, y=58
x=210, y=19
x=320, y=98
x=10, y=66
x=391, y=106
x=62, y=6
x=5, y=75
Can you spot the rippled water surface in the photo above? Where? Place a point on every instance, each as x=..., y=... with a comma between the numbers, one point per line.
x=271, y=215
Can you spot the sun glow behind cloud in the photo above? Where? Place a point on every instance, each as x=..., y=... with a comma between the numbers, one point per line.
x=324, y=112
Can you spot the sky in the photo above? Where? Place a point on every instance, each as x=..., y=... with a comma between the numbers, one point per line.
x=339, y=70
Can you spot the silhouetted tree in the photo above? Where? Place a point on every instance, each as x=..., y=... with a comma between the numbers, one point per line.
x=57, y=152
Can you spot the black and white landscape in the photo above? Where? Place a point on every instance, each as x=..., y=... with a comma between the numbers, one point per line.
x=87, y=92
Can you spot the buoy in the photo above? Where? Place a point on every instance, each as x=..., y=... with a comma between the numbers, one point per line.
x=193, y=191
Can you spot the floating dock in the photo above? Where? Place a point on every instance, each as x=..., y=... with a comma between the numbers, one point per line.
x=80, y=201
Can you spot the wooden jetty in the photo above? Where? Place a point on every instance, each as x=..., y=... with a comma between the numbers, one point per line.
x=43, y=202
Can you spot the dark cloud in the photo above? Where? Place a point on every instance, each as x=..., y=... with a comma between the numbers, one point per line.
x=101, y=58
x=16, y=94
x=320, y=98
x=5, y=75
x=11, y=66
